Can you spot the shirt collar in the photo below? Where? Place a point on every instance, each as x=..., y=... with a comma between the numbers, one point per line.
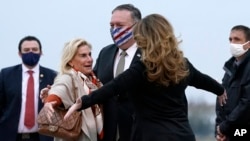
x=130, y=51
x=35, y=69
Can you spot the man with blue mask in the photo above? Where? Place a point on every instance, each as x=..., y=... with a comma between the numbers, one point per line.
x=19, y=93
x=233, y=119
x=118, y=111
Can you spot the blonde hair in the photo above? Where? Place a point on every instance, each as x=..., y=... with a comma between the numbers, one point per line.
x=69, y=51
x=164, y=61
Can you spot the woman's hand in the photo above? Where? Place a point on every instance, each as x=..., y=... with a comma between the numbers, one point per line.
x=73, y=108
x=48, y=107
x=44, y=93
x=223, y=98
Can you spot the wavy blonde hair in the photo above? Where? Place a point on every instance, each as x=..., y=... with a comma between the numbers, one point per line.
x=69, y=51
x=165, y=63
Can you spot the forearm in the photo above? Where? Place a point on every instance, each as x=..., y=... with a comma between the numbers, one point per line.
x=203, y=81
x=98, y=96
x=53, y=97
x=207, y=83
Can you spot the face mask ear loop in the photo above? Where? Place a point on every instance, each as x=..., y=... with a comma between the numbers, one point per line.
x=245, y=44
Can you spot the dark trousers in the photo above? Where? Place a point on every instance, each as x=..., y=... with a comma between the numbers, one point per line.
x=27, y=137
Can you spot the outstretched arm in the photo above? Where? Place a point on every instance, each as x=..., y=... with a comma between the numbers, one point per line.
x=205, y=82
x=128, y=80
x=73, y=108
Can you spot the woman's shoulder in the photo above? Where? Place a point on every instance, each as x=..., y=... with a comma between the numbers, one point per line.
x=64, y=78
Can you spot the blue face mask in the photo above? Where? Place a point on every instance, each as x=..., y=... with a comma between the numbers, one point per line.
x=30, y=59
x=121, y=35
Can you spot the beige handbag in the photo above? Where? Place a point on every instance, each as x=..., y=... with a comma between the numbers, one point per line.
x=69, y=129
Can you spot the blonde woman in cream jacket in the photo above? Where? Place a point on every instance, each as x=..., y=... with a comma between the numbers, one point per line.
x=76, y=79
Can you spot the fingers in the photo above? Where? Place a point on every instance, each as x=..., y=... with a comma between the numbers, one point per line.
x=73, y=108
x=223, y=138
x=50, y=110
x=220, y=136
x=44, y=93
x=79, y=101
x=49, y=86
x=223, y=99
x=225, y=94
x=218, y=130
x=69, y=112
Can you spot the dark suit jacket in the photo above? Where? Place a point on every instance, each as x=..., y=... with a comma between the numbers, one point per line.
x=11, y=99
x=118, y=109
x=161, y=112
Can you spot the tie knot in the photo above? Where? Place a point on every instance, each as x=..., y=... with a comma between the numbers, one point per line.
x=123, y=53
x=30, y=72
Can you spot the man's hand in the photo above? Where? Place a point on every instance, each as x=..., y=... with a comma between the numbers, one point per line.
x=223, y=98
x=220, y=136
x=44, y=93
x=73, y=108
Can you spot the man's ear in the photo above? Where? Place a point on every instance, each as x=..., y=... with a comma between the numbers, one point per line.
x=20, y=54
x=248, y=44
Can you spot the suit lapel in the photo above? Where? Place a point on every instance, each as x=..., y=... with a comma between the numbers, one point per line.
x=113, y=53
x=18, y=81
x=137, y=56
x=42, y=84
x=41, y=78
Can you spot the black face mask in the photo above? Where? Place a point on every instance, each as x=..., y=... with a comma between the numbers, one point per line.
x=30, y=59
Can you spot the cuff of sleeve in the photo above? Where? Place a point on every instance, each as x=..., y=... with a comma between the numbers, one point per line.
x=224, y=128
x=86, y=102
x=53, y=97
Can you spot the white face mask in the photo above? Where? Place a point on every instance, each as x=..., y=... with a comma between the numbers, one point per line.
x=237, y=49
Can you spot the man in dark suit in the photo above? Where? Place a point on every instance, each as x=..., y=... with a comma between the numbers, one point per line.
x=18, y=120
x=118, y=111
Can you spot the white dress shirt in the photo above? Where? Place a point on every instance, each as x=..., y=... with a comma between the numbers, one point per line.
x=128, y=58
x=25, y=76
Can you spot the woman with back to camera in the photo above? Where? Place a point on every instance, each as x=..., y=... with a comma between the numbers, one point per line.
x=157, y=85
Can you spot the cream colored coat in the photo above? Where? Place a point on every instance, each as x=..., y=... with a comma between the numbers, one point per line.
x=63, y=87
